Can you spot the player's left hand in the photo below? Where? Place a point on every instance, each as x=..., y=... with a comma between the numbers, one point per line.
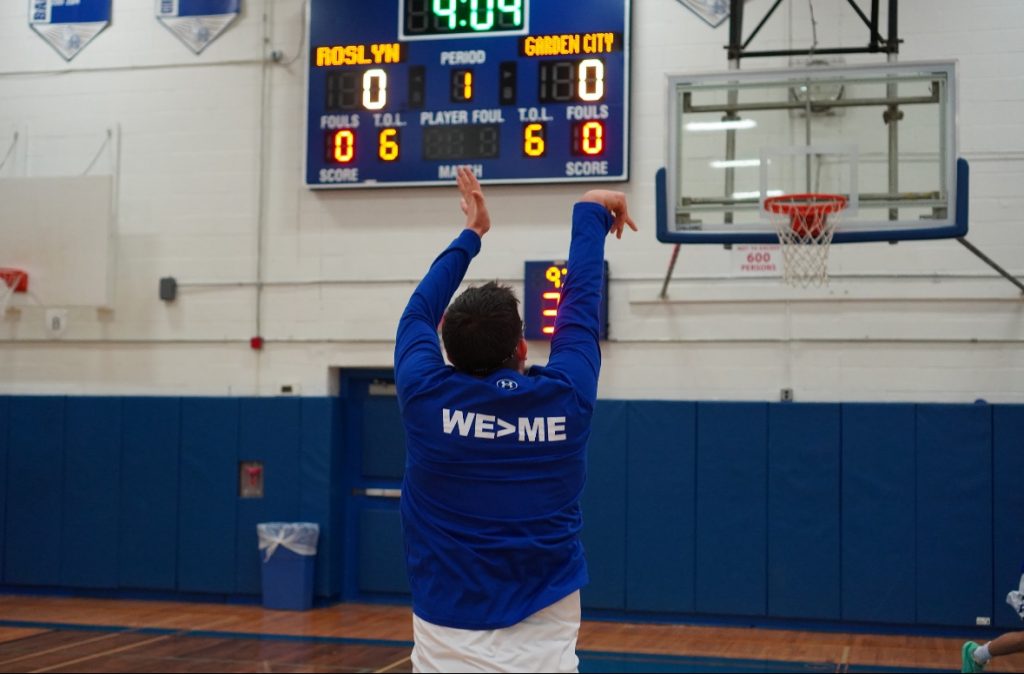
x=615, y=202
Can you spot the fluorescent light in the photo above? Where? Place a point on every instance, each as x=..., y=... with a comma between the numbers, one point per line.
x=756, y=195
x=735, y=163
x=728, y=125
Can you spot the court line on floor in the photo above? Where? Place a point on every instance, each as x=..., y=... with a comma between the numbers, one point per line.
x=204, y=631
x=61, y=648
x=352, y=641
x=726, y=664
x=94, y=656
x=844, y=662
x=393, y=665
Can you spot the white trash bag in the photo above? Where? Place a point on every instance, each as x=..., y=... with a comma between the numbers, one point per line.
x=299, y=537
x=1016, y=599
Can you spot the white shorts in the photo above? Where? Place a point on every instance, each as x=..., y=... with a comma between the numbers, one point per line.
x=542, y=642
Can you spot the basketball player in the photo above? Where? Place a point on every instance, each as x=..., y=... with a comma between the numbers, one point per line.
x=975, y=657
x=497, y=455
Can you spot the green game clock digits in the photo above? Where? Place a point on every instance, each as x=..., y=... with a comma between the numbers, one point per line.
x=462, y=18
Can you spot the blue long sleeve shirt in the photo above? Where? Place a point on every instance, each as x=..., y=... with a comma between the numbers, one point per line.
x=495, y=465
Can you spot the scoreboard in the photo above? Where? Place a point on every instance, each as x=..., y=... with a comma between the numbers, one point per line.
x=402, y=92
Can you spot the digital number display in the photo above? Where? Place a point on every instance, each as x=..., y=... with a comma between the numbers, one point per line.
x=571, y=81
x=588, y=139
x=544, y=282
x=357, y=90
x=403, y=92
x=462, y=17
x=460, y=143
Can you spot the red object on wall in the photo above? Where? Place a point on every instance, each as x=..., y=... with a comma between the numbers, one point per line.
x=256, y=343
x=16, y=278
x=254, y=473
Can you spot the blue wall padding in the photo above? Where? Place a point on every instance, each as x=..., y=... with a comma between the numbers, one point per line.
x=34, y=490
x=1008, y=509
x=381, y=551
x=660, y=519
x=207, y=522
x=5, y=404
x=383, y=438
x=878, y=548
x=732, y=523
x=320, y=482
x=269, y=432
x=604, y=508
x=875, y=513
x=92, y=485
x=150, y=441
x=954, y=514
x=803, y=510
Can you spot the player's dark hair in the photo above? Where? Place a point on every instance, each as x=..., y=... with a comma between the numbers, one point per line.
x=482, y=328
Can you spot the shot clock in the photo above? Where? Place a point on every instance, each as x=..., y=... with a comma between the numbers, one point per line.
x=543, y=284
x=402, y=92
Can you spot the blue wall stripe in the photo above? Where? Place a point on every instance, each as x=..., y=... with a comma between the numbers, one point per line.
x=269, y=431
x=34, y=490
x=661, y=519
x=604, y=508
x=1008, y=514
x=92, y=486
x=803, y=510
x=208, y=495
x=150, y=454
x=319, y=479
x=878, y=548
x=954, y=514
x=5, y=404
x=732, y=524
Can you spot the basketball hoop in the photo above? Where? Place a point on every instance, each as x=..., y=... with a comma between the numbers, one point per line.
x=11, y=281
x=805, y=224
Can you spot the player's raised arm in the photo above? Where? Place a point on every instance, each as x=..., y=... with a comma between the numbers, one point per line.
x=575, y=348
x=417, y=350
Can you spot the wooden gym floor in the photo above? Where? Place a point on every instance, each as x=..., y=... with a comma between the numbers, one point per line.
x=57, y=634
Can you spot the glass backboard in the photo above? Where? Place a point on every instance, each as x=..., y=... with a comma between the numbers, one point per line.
x=882, y=136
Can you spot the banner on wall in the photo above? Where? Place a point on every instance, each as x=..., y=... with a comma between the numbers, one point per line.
x=197, y=23
x=68, y=25
x=714, y=12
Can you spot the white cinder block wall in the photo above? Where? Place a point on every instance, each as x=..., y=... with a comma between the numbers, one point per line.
x=211, y=152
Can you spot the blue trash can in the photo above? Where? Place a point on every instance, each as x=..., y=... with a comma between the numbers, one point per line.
x=288, y=553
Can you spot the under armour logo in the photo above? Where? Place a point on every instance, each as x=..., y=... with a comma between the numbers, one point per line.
x=508, y=384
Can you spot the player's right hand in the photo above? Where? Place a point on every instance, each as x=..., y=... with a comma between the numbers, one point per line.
x=473, y=203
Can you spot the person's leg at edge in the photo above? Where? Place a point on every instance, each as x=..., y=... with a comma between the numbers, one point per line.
x=975, y=657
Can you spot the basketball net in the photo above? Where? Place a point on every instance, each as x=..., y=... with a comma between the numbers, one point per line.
x=805, y=224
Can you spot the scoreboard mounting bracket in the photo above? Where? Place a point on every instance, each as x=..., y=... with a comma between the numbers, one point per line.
x=402, y=92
